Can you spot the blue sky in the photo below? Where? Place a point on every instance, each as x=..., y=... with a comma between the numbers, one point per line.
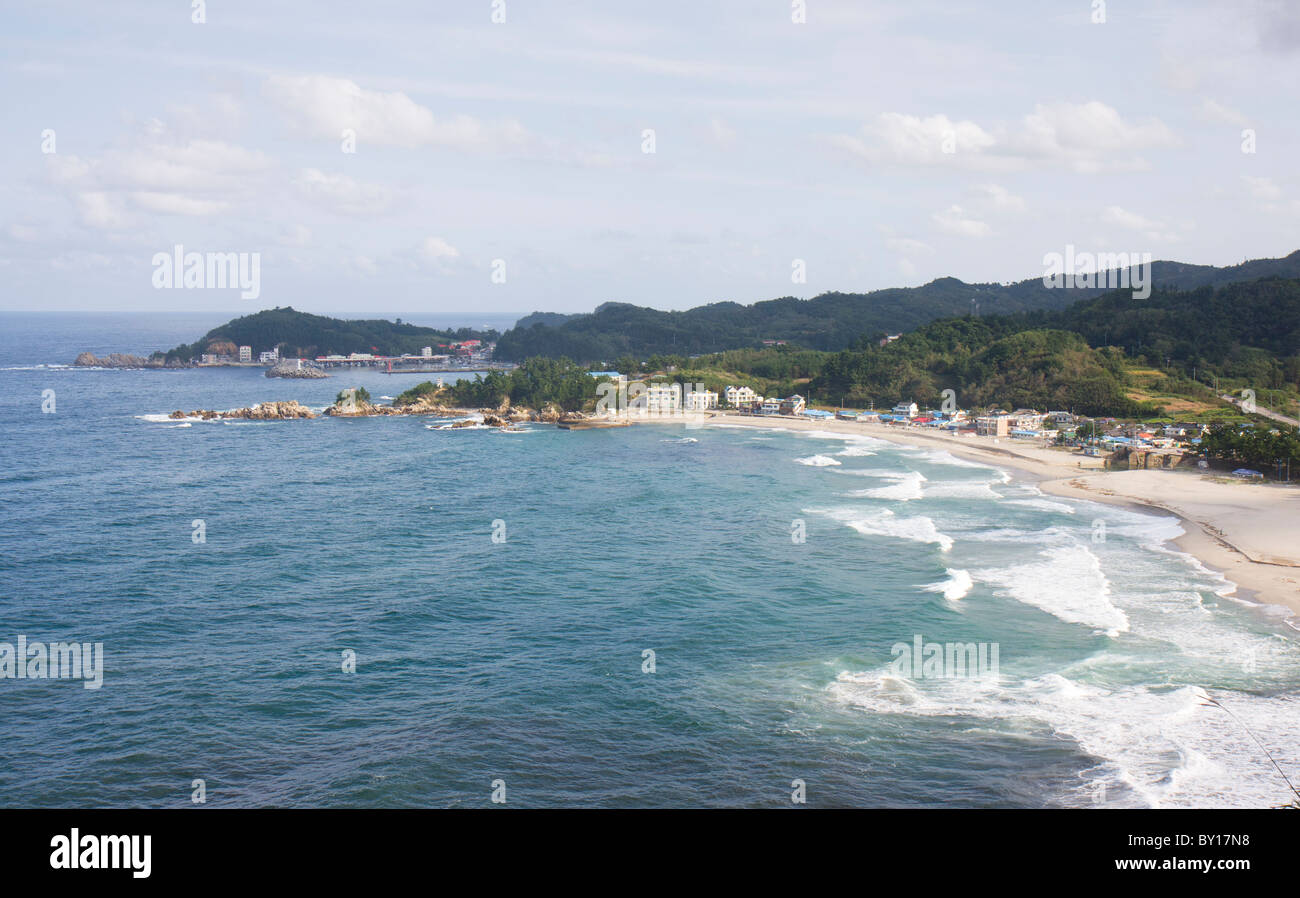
x=825, y=141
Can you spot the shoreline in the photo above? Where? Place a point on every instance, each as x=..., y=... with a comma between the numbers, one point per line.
x=1236, y=530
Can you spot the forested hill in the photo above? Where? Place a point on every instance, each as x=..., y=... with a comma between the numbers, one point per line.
x=831, y=321
x=1080, y=358
x=299, y=334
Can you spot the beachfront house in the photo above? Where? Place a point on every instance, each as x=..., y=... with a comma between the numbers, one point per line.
x=738, y=396
x=771, y=406
x=793, y=405
x=1027, y=419
x=906, y=410
x=993, y=425
x=663, y=399
x=701, y=400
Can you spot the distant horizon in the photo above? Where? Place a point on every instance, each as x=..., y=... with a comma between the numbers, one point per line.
x=517, y=314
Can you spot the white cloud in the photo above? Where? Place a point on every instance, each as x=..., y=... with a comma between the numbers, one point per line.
x=1262, y=188
x=997, y=197
x=1218, y=114
x=1089, y=137
x=435, y=248
x=1117, y=215
x=909, y=247
x=1153, y=230
x=158, y=176
x=910, y=140
x=341, y=193
x=955, y=221
x=1086, y=137
x=177, y=204
x=324, y=107
x=99, y=210
x=295, y=235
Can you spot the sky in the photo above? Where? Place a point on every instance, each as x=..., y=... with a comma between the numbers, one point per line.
x=475, y=157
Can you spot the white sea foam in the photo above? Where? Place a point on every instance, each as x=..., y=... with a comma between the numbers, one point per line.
x=168, y=419
x=961, y=489
x=682, y=440
x=1068, y=582
x=905, y=487
x=818, y=461
x=944, y=457
x=957, y=586
x=1158, y=746
x=1043, y=505
x=917, y=528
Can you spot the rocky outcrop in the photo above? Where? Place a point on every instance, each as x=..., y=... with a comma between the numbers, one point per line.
x=291, y=368
x=263, y=411
x=115, y=360
x=425, y=405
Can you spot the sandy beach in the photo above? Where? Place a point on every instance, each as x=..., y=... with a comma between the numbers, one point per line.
x=1249, y=532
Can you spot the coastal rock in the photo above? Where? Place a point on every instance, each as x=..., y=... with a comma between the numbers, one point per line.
x=291, y=368
x=114, y=360
x=272, y=411
x=263, y=411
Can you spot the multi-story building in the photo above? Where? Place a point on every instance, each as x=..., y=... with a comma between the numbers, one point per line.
x=793, y=405
x=993, y=425
x=663, y=399
x=906, y=410
x=736, y=396
x=701, y=400
x=245, y=353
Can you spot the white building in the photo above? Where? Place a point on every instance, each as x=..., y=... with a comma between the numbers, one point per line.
x=772, y=406
x=993, y=425
x=426, y=352
x=906, y=410
x=701, y=400
x=245, y=353
x=1027, y=419
x=737, y=395
x=663, y=399
x=270, y=357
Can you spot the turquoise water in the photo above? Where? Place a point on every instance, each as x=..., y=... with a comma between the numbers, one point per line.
x=523, y=661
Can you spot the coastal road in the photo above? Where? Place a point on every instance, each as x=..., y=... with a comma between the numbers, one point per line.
x=1260, y=410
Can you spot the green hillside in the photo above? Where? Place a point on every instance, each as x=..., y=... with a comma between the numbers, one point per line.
x=829, y=322
x=299, y=334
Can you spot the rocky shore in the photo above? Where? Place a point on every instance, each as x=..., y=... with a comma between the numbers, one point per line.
x=503, y=416
x=291, y=369
x=263, y=411
x=116, y=360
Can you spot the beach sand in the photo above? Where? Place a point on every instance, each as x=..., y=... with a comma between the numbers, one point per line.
x=1249, y=532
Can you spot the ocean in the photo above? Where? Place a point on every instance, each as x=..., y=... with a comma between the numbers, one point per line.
x=648, y=616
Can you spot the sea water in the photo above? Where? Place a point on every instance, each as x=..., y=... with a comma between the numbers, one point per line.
x=647, y=616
